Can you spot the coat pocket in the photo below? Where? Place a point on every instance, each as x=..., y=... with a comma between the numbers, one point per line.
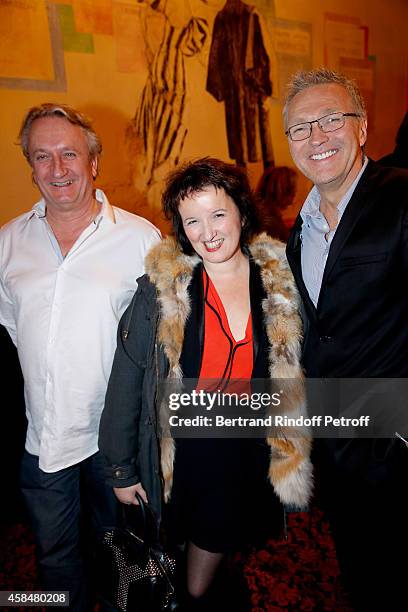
x=346, y=262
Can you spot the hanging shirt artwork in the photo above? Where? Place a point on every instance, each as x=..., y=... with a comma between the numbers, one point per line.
x=159, y=118
x=239, y=75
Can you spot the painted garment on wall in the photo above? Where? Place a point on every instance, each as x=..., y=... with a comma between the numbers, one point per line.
x=159, y=116
x=239, y=75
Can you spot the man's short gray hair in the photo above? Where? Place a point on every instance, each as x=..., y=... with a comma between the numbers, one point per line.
x=322, y=76
x=48, y=109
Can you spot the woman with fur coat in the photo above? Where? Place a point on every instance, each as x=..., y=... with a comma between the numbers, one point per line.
x=217, y=303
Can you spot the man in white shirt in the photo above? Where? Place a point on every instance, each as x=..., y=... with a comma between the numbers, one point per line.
x=68, y=270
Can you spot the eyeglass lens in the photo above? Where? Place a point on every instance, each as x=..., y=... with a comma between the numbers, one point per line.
x=328, y=123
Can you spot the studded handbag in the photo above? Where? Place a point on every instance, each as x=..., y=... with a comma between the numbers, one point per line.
x=135, y=571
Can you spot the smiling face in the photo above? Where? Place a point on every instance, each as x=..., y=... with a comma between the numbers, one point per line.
x=62, y=168
x=212, y=224
x=331, y=160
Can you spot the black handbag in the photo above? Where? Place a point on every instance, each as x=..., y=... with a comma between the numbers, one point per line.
x=135, y=572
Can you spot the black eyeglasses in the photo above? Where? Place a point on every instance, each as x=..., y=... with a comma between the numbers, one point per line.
x=328, y=123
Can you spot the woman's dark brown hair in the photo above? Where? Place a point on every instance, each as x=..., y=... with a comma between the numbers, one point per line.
x=196, y=176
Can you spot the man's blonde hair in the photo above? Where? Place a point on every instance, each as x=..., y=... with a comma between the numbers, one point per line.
x=322, y=76
x=48, y=109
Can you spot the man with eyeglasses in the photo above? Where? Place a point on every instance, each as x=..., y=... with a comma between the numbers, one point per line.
x=348, y=252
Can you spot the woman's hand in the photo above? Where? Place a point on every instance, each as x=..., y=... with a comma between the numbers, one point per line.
x=126, y=495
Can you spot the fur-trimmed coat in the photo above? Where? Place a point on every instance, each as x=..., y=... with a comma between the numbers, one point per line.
x=150, y=343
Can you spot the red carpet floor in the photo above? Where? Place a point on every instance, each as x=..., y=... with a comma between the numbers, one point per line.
x=299, y=574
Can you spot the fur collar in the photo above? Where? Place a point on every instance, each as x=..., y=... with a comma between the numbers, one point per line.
x=290, y=470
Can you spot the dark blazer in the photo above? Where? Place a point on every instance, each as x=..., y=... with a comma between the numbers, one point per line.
x=360, y=329
x=360, y=325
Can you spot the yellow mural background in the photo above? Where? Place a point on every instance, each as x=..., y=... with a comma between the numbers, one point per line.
x=25, y=47
x=106, y=75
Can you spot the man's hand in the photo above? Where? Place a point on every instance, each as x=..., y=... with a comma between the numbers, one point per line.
x=126, y=495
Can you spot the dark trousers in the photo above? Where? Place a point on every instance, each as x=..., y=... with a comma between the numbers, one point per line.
x=69, y=511
x=366, y=502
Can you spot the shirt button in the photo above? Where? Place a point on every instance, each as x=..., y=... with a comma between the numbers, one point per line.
x=118, y=473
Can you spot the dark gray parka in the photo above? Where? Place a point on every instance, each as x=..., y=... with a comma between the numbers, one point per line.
x=127, y=436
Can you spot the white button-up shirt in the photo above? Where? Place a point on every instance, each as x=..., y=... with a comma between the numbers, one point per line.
x=62, y=314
